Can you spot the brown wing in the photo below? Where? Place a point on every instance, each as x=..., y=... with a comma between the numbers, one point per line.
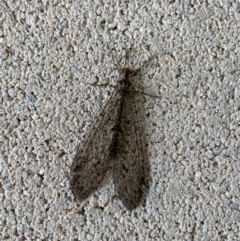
x=131, y=167
x=92, y=161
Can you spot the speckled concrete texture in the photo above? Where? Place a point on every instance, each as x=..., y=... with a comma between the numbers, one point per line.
x=51, y=54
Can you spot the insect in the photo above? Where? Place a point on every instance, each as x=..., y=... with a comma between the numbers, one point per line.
x=116, y=143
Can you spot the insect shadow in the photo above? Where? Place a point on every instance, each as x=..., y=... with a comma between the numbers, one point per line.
x=117, y=142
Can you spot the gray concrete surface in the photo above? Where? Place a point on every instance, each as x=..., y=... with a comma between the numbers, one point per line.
x=51, y=52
